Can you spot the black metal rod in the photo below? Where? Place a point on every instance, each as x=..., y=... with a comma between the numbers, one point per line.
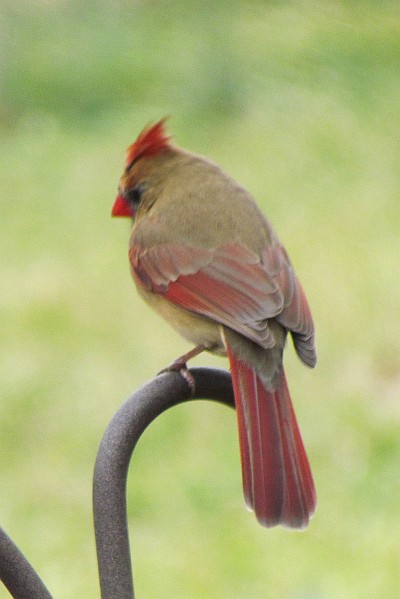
x=17, y=574
x=115, y=452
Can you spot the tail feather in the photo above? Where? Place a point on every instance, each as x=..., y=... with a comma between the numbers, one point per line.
x=300, y=496
x=244, y=386
x=277, y=479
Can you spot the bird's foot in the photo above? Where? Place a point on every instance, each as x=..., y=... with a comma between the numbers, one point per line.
x=179, y=365
x=182, y=368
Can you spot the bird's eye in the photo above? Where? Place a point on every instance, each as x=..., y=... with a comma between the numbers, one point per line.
x=134, y=195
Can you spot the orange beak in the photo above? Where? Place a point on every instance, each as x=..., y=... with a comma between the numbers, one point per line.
x=121, y=207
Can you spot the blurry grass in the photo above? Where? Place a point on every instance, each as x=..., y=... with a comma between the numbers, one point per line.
x=299, y=101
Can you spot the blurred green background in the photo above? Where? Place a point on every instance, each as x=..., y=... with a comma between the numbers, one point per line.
x=300, y=101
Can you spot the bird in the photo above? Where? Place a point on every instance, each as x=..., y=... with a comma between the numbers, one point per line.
x=203, y=255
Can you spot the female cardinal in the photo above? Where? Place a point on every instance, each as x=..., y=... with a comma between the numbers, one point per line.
x=204, y=256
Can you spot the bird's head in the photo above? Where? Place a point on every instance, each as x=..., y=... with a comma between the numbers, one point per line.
x=142, y=169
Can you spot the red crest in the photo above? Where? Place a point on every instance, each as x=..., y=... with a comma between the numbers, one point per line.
x=150, y=141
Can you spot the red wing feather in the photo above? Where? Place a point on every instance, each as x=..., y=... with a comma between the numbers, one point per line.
x=231, y=285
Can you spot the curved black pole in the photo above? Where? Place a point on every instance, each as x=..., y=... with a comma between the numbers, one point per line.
x=17, y=574
x=111, y=468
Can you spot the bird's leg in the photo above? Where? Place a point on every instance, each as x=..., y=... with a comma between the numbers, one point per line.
x=179, y=365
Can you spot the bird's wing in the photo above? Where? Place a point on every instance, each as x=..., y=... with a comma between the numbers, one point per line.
x=230, y=285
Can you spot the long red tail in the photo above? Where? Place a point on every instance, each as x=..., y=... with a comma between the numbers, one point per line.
x=277, y=479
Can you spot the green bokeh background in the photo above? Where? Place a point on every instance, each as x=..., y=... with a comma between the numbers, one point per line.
x=300, y=102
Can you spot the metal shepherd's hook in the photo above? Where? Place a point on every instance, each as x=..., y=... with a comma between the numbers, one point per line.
x=112, y=463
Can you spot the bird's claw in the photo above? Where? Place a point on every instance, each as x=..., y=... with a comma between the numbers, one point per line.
x=181, y=367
